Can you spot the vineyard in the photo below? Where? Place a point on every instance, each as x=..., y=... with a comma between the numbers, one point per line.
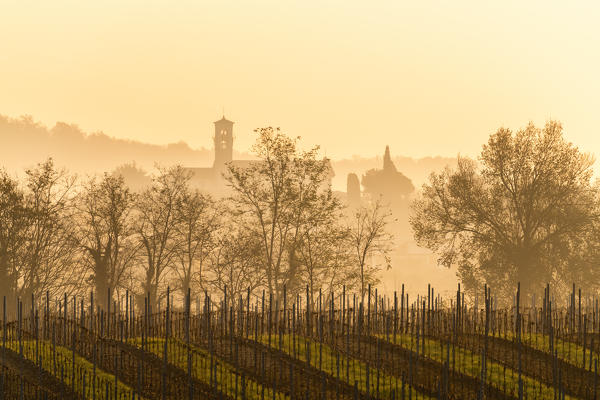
x=335, y=346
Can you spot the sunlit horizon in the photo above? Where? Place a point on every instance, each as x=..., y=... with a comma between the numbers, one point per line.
x=351, y=77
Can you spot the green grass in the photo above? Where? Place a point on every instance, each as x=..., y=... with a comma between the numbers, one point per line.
x=226, y=373
x=469, y=364
x=567, y=351
x=323, y=357
x=64, y=357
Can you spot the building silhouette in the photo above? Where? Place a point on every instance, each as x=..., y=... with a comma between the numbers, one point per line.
x=223, y=142
x=210, y=179
x=388, y=182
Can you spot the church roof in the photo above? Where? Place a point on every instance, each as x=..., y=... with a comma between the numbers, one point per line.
x=223, y=120
x=202, y=173
x=243, y=163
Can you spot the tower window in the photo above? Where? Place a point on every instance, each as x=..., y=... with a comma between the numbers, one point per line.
x=223, y=139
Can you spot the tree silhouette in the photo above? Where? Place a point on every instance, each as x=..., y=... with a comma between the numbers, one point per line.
x=368, y=240
x=523, y=214
x=277, y=197
x=105, y=233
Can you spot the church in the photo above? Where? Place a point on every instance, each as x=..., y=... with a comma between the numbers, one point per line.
x=211, y=179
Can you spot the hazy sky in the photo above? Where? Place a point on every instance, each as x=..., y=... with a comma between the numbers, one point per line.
x=426, y=77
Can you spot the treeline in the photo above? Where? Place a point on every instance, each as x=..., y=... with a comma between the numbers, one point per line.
x=25, y=141
x=280, y=227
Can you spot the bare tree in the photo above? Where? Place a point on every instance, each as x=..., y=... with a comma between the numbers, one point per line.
x=276, y=195
x=49, y=261
x=321, y=249
x=197, y=217
x=105, y=232
x=235, y=263
x=369, y=240
x=156, y=221
x=13, y=228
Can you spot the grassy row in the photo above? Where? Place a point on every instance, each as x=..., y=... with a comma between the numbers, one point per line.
x=352, y=370
x=226, y=375
x=322, y=357
x=567, y=351
x=64, y=359
x=469, y=363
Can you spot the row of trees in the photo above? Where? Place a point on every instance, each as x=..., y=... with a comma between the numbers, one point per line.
x=280, y=227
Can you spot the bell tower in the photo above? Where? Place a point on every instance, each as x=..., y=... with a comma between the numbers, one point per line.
x=223, y=142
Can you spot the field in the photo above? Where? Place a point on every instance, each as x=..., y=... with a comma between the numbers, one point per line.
x=333, y=347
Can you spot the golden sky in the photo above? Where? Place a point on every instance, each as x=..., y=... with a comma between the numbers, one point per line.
x=425, y=77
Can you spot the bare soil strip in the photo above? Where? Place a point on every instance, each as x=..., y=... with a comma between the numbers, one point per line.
x=280, y=369
x=423, y=373
x=535, y=363
x=35, y=375
x=142, y=370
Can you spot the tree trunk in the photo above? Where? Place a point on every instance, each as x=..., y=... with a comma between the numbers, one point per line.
x=101, y=283
x=5, y=286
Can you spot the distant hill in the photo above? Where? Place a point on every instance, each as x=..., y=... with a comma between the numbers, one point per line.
x=25, y=142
